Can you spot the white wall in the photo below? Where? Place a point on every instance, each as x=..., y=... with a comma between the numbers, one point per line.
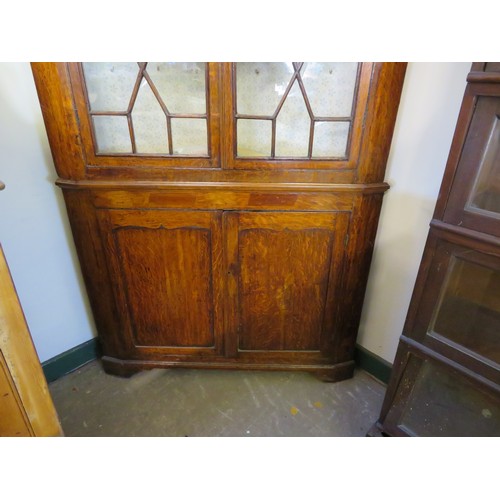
x=34, y=230
x=35, y=235
x=431, y=99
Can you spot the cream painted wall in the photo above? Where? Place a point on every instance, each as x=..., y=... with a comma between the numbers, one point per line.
x=34, y=230
x=35, y=235
x=431, y=99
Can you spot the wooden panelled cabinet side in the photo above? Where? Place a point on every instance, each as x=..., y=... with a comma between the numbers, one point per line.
x=446, y=375
x=224, y=214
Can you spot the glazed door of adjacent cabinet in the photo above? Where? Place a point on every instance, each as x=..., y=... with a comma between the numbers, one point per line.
x=458, y=314
x=166, y=273
x=474, y=201
x=284, y=276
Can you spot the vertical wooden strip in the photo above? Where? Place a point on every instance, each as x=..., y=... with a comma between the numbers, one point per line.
x=52, y=82
x=218, y=281
x=227, y=122
x=92, y=251
x=311, y=139
x=131, y=132
x=273, y=138
x=333, y=311
x=382, y=107
x=358, y=254
x=230, y=236
x=169, y=135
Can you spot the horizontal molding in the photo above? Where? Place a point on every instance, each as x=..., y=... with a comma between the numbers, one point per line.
x=80, y=355
x=70, y=360
x=298, y=187
x=483, y=77
x=424, y=351
x=447, y=231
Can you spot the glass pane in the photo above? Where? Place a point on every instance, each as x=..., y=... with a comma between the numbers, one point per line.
x=150, y=122
x=293, y=126
x=468, y=312
x=110, y=84
x=189, y=136
x=260, y=86
x=181, y=85
x=112, y=134
x=443, y=403
x=254, y=137
x=330, y=87
x=486, y=191
x=330, y=139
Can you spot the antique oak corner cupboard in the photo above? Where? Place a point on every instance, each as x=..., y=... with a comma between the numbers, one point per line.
x=224, y=214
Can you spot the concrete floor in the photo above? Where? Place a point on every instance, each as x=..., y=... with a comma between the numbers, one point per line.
x=182, y=402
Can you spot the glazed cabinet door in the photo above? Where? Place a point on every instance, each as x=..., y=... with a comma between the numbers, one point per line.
x=284, y=277
x=474, y=201
x=165, y=267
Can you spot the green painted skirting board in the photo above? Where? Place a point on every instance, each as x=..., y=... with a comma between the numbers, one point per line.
x=69, y=361
x=373, y=364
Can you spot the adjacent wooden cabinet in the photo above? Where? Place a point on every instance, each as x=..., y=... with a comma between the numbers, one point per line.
x=446, y=376
x=224, y=213
x=26, y=408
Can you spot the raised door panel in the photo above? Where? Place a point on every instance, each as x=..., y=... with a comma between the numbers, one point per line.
x=166, y=271
x=285, y=270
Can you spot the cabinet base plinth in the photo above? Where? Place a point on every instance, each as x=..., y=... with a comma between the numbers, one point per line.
x=326, y=373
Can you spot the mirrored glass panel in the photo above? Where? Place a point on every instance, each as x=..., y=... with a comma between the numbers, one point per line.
x=162, y=104
x=468, y=311
x=309, y=106
x=486, y=191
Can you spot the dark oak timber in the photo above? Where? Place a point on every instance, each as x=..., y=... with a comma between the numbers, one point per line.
x=446, y=375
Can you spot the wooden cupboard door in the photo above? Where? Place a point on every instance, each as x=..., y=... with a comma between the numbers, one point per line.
x=284, y=278
x=165, y=266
